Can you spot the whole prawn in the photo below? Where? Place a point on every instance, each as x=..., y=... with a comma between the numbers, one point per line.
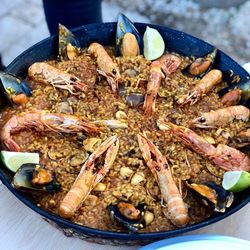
x=158, y=165
x=107, y=67
x=166, y=64
x=89, y=176
x=206, y=84
x=221, y=117
x=225, y=157
x=43, y=121
x=45, y=73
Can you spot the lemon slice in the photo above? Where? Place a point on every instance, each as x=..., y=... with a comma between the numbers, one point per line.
x=154, y=45
x=14, y=160
x=236, y=181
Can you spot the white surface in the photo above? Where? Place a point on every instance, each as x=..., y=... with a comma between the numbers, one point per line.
x=23, y=229
x=205, y=245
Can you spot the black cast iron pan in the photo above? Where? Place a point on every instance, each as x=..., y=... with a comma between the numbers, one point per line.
x=105, y=34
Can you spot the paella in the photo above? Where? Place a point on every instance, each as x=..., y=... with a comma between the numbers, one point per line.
x=126, y=141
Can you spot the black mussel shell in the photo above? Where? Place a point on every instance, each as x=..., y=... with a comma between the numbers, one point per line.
x=132, y=225
x=66, y=37
x=25, y=174
x=213, y=195
x=211, y=56
x=124, y=25
x=122, y=89
x=134, y=100
x=11, y=85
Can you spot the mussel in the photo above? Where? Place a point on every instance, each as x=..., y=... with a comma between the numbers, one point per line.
x=31, y=176
x=127, y=215
x=213, y=195
x=200, y=66
x=134, y=100
x=14, y=89
x=69, y=46
x=243, y=88
x=125, y=26
x=231, y=98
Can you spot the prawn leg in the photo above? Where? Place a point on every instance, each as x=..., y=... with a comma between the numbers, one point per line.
x=158, y=165
x=89, y=176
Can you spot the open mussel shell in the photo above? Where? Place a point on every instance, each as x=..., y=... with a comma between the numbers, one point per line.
x=213, y=195
x=69, y=46
x=244, y=86
x=31, y=176
x=12, y=86
x=132, y=225
x=200, y=66
x=124, y=25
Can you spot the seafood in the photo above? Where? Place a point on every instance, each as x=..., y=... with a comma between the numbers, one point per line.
x=242, y=139
x=223, y=156
x=89, y=176
x=69, y=46
x=43, y=121
x=16, y=90
x=127, y=215
x=214, y=195
x=129, y=46
x=167, y=64
x=45, y=73
x=107, y=67
x=200, y=66
x=206, y=84
x=221, y=117
x=244, y=86
x=125, y=26
x=231, y=98
x=31, y=176
x=134, y=100
x=158, y=164
x=112, y=124
x=128, y=210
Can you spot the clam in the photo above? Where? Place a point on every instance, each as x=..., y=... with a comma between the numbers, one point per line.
x=14, y=89
x=213, y=195
x=31, y=176
x=133, y=44
x=127, y=215
x=148, y=217
x=78, y=159
x=69, y=46
x=90, y=144
x=200, y=66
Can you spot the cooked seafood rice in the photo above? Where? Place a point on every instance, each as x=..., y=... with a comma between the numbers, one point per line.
x=129, y=140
